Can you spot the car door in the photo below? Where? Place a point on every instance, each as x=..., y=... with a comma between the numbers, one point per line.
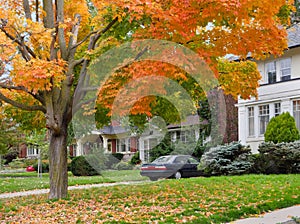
x=192, y=166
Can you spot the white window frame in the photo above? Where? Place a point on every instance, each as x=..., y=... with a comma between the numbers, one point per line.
x=285, y=69
x=123, y=142
x=271, y=71
x=296, y=112
x=32, y=150
x=251, y=124
x=263, y=118
x=280, y=69
x=277, y=109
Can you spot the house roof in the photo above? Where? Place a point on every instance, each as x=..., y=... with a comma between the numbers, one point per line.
x=113, y=130
x=189, y=121
x=118, y=129
x=294, y=36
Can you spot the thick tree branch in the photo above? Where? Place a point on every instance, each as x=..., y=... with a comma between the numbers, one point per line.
x=74, y=36
x=37, y=10
x=22, y=106
x=22, y=88
x=61, y=32
x=79, y=94
x=49, y=17
x=27, y=9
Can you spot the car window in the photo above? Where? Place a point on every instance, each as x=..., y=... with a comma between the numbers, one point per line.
x=162, y=159
x=193, y=160
x=180, y=160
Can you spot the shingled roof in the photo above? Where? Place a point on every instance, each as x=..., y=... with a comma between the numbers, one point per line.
x=294, y=36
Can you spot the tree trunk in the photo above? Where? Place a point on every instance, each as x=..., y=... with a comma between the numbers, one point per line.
x=58, y=164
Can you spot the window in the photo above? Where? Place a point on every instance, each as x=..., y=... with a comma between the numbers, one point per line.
x=251, y=121
x=32, y=150
x=263, y=118
x=121, y=145
x=271, y=72
x=296, y=112
x=285, y=69
x=186, y=136
x=277, y=109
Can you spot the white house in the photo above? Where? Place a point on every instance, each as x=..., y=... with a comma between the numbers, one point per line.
x=279, y=92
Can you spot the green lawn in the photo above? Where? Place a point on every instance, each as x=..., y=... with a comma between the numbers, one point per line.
x=194, y=200
x=13, y=182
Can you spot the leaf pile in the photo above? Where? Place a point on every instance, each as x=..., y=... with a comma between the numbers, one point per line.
x=200, y=200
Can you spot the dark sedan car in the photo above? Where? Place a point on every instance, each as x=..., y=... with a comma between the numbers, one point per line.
x=172, y=166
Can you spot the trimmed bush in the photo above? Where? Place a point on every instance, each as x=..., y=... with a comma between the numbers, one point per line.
x=229, y=159
x=282, y=128
x=123, y=166
x=281, y=158
x=113, y=159
x=118, y=156
x=135, y=159
x=10, y=155
x=88, y=165
x=45, y=167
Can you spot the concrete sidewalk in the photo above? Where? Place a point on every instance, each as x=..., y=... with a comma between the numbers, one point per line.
x=282, y=216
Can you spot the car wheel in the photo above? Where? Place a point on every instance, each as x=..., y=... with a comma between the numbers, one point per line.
x=153, y=178
x=177, y=175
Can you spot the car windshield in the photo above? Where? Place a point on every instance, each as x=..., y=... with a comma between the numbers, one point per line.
x=163, y=159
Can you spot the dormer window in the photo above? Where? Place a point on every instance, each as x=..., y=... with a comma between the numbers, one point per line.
x=271, y=71
x=278, y=70
x=285, y=69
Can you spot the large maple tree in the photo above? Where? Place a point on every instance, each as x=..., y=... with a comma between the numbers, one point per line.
x=47, y=46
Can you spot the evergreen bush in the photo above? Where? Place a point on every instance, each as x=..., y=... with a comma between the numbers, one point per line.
x=123, y=166
x=88, y=165
x=135, y=159
x=282, y=128
x=113, y=159
x=45, y=167
x=229, y=159
x=280, y=158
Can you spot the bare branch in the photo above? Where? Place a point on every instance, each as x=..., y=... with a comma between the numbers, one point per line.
x=74, y=36
x=18, y=42
x=76, y=62
x=98, y=33
x=83, y=40
x=22, y=88
x=79, y=105
x=22, y=106
x=37, y=10
x=27, y=9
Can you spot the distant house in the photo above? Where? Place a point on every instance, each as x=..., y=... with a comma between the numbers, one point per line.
x=279, y=92
x=28, y=151
x=118, y=139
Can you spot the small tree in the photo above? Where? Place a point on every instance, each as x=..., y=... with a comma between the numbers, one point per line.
x=282, y=129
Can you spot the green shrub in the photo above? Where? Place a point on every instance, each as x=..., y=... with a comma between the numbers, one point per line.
x=45, y=167
x=135, y=159
x=113, y=159
x=88, y=165
x=162, y=149
x=18, y=163
x=229, y=159
x=123, y=166
x=282, y=128
x=11, y=155
x=118, y=156
x=281, y=158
